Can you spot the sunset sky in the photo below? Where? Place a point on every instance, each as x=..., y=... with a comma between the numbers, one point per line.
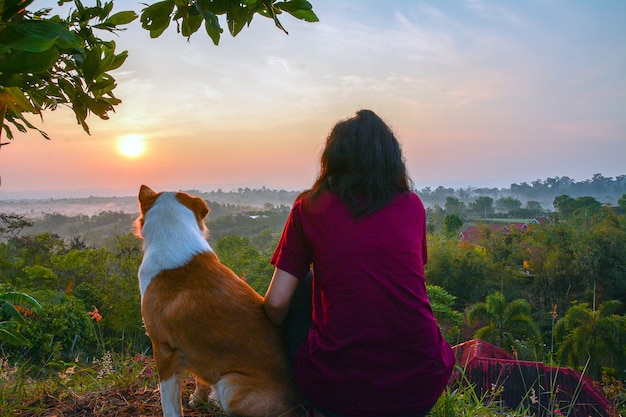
x=479, y=93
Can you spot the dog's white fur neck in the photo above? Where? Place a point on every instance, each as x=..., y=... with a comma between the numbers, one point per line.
x=171, y=237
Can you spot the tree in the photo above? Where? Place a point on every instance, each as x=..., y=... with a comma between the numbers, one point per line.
x=599, y=256
x=47, y=61
x=550, y=259
x=454, y=206
x=621, y=204
x=467, y=273
x=246, y=261
x=435, y=216
x=508, y=204
x=509, y=325
x=190, y=15
x=482, y=206
x=452, y=224
x=12, y=224
x=598, y=336
x=50, y=61
x=567, y=206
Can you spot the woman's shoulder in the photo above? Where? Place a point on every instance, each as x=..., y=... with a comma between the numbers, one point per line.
x=326, y=201
x=407, y=202
x=310, y=196
x=408, y=197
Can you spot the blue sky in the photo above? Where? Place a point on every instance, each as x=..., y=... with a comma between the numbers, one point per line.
x=480, y=93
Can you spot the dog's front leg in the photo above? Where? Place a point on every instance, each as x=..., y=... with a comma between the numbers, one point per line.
x=168, y=366
x=170, y=396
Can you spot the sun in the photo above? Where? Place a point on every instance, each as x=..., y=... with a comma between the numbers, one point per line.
x=131, y=146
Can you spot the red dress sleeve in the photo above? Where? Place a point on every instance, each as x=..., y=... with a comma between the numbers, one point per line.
x=293, y=254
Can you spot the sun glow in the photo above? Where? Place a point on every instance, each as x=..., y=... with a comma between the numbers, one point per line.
x=131, y=146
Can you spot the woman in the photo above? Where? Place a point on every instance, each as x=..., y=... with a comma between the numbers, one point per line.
x=370, y=347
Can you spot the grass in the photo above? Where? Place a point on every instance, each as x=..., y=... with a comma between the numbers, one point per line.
x=120, y=385
x=464, y=400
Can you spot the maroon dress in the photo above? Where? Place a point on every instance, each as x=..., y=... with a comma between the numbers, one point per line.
x=374, y=348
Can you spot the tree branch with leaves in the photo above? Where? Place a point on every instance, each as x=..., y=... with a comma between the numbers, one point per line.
x=48, y=61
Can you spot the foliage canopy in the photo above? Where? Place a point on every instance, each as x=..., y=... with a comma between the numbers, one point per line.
x=48, y=60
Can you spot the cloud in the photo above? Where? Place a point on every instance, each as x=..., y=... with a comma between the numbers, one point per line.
x=598, y=129
x=493, y=12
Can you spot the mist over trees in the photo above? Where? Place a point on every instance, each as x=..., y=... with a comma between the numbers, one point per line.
x=520, y=201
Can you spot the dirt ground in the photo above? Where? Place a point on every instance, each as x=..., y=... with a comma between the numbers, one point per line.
x=113, y=402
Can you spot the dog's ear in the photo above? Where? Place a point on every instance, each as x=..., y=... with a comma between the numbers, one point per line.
x=200, y=206
x=145, y=191
x=195, y=204
x=146, y=198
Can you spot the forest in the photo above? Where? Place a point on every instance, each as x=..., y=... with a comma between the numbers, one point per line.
x=552, y=291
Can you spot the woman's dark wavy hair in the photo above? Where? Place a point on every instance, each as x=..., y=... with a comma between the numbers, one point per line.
x=362, y=163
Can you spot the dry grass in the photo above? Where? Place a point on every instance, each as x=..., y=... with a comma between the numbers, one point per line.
x=112, y=402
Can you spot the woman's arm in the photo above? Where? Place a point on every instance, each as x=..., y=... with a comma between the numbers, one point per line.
x=278, y=295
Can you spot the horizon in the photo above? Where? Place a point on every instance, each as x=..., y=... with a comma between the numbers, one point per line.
x=479, y=94
x=81, y=193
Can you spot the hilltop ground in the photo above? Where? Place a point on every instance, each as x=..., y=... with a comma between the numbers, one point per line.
x=113, y=402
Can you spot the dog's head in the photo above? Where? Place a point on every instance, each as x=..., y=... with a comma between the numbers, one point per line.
x=149, y=199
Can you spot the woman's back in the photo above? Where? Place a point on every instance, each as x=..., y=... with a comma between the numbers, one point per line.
x=374, y=345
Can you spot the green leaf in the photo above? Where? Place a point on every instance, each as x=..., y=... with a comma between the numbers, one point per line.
x=44, y=134
x=12, y=337
x=117, y=61
x=29, y=62
x=191, y=24
x=213, y=33
x=91, y=65
x=80, y=110
x=104, y=12
x=156, y=18
x=306, y=15
x=26, y=42
x=15, y=99
x=211, y=22
x=106, y=60
x=100, y=107
x=67, y=89
x=107, y=83
x=19, y=126
x=65, y=39
x=11, y=80
x=267, y=9
x=236, y=18
x=300, y=9
x=293, y=5
x=20, y=299
x=216, y=6
x=8, y=309
x=7, y=131
x=122, y=18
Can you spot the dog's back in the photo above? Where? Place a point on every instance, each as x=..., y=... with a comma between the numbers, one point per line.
x=200, y=316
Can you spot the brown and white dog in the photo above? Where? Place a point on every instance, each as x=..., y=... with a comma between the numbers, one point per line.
x=203, y=318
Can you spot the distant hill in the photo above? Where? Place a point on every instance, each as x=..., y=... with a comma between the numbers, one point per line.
x=37, y=208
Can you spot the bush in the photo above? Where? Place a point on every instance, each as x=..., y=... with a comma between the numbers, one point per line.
x=62, y=330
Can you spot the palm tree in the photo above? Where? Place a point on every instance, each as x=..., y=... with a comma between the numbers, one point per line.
x=13, y=307
x=600, y=334
x=509, y=324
